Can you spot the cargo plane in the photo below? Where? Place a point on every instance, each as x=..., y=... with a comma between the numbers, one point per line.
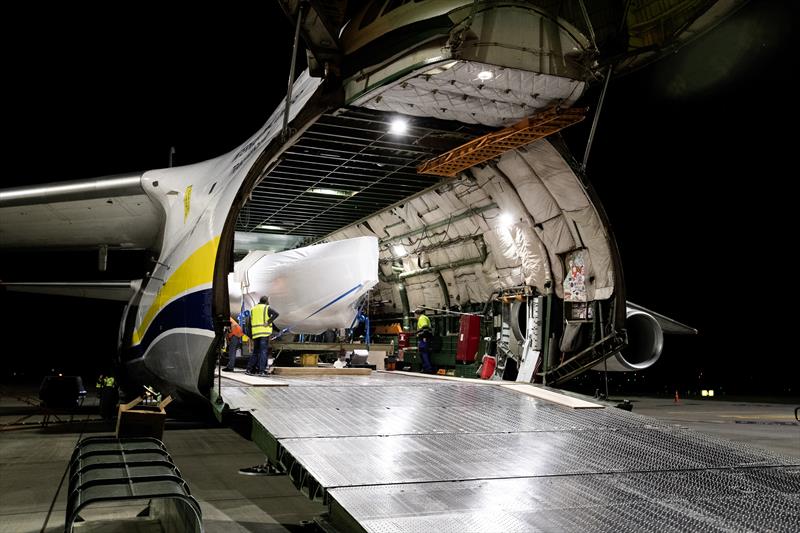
x=427, y=129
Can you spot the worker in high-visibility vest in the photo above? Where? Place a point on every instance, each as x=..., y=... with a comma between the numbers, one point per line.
x=104, y=381
x=261, y=319
x=108, y=394
x=424, y=338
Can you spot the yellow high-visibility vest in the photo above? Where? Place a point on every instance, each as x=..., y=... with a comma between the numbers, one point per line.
x=259, y=321
x=423, y=322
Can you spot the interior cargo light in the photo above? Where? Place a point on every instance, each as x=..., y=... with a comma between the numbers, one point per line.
x=399, y=126
x=277, y=228
x=399, y=250
x=485, y=75
x=506, y=220
x=332, y=192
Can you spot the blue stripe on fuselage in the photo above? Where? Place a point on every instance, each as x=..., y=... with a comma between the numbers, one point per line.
x=191, y=310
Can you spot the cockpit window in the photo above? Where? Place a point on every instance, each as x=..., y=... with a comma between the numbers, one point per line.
x=371, y=14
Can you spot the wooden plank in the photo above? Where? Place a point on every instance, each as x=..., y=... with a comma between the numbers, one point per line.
x=320, y=371
x=444, y=378
x=255, y=381
x=523, y=388
x=552, y=396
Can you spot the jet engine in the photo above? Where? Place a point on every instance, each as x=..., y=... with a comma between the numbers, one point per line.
x=645, y=342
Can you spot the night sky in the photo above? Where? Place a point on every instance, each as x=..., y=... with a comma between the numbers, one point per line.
x=693, y=160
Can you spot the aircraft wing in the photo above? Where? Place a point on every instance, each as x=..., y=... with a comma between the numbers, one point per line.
x=120, y=291
x=112, y=212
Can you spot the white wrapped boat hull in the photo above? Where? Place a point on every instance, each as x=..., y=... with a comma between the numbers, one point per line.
x=314, y=288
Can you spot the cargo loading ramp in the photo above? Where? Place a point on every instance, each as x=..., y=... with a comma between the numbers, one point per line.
x=399, y=453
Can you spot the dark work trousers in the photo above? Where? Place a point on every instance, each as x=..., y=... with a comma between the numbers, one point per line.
x=234, y=349
x=424, y=346
x=259, y=355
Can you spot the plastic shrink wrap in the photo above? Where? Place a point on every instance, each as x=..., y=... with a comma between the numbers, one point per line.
x=314, y=288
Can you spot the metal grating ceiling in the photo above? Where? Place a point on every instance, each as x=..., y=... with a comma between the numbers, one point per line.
x=348, y=150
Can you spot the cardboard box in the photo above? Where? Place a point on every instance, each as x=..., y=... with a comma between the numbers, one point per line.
x=136, y=420
x=309, y=359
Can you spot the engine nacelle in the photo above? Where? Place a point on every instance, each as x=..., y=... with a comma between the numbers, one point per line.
x=645, y=342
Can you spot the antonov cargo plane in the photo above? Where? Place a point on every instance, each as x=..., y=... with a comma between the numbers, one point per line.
x=374, y=142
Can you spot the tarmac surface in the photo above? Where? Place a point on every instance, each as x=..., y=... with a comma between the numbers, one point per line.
x=33, y=459
x=764, y=424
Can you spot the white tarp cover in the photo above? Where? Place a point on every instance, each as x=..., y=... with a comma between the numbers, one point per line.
x=546, y=215
x=313, y=288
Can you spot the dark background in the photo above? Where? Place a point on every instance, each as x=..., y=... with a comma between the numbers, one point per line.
x=693, y=160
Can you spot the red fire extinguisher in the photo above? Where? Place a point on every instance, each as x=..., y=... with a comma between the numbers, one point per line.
x=488, y=364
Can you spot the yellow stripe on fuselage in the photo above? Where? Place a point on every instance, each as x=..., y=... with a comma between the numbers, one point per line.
x=198, y=269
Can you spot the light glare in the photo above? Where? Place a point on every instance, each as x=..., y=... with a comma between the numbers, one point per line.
x=398, y=127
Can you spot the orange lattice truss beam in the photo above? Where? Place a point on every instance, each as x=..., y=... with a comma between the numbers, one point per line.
x=496, y=143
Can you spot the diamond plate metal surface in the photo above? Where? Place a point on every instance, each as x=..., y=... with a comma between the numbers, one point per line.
x=728, y=500
x=411, y=454
x=291, y=412
x=353, y=461
x=421, y=408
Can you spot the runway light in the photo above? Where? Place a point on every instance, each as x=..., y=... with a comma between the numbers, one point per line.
x=704, y=393
x=399, y=126
x=399, y=250
x=278, y=228
x=485, y=75
x=506, y=220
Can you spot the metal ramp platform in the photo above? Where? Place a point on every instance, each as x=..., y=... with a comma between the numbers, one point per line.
x=399, y=453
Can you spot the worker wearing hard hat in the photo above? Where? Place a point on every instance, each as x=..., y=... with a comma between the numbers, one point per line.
x=424, y=338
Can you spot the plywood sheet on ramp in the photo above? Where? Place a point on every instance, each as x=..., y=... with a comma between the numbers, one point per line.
x=253, y=381
x=320, y=371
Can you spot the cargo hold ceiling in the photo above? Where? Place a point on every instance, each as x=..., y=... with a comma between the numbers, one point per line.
x=347, y=166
